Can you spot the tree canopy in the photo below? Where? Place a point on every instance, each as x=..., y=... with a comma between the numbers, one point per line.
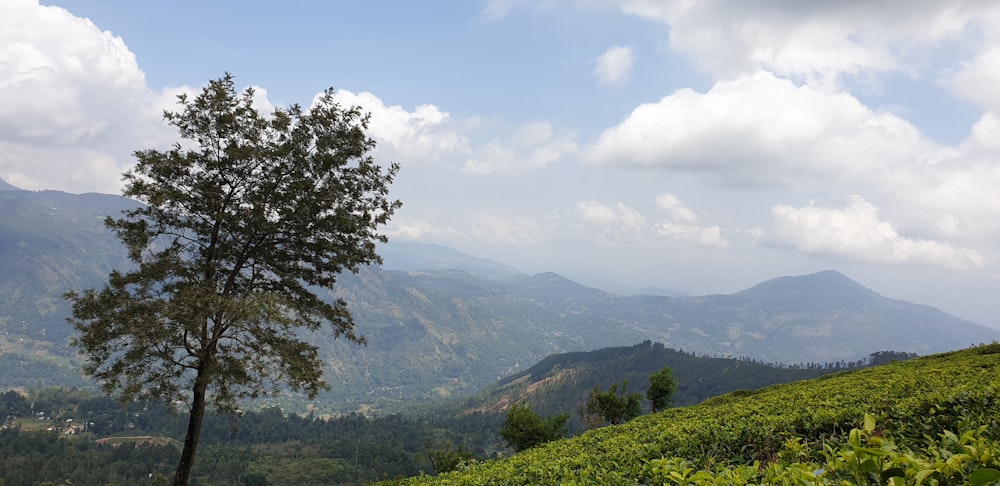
x=245, y=222
x=614, y=406
x=523, y=428
x=662, y=385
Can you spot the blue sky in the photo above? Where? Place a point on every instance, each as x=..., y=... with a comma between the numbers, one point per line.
x=698, y=146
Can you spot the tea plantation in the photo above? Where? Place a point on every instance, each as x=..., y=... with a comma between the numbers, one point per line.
x=931, y=420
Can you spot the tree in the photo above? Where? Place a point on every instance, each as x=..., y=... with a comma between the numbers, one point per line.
x=524, y=429
x=449, y=458
x=243, y=225
x=662, y=386
x=612, y=406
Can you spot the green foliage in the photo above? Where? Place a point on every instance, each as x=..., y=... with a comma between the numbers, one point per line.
x=523, y=428
x=929, y=420
x=123, y=445
x=662, y=385
x=235, y=237
x=567, y=379
x=612, y=406
x=449, y=458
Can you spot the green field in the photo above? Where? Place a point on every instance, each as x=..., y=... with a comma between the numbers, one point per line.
x=930, y=420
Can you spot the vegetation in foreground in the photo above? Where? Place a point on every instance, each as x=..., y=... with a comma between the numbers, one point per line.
x=930, y=420
x=263, y=445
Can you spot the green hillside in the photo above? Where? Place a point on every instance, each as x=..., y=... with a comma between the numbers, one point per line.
x=563, y=382
x=929, y=420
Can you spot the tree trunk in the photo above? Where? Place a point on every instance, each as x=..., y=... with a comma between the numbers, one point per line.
x=195, y=419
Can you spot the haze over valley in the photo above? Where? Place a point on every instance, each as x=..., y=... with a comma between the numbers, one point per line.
x=442, y=324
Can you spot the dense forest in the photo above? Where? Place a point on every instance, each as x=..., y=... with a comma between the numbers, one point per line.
x=58, y=435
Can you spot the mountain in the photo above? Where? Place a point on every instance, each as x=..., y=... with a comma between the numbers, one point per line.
x=50, y=242
x=414, y=256
x=446, y=324
x=4, y=186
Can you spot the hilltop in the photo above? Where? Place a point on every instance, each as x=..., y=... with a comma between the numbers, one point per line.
x=562, y=382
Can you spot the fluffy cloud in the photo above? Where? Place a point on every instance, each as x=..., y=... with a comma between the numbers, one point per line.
x=618, y=223
x=431, y=136
x=614, y=67
x=675, y=209
x=681, y=224
x=811, y=39
x=611, y=224
x=532, y=146
x=763, y=130
x=703, y=236
x=978, y=78
x=425, y=134
x=73, y=102
x=856, y=232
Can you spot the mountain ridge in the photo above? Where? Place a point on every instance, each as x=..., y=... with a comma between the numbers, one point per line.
x=441, y=332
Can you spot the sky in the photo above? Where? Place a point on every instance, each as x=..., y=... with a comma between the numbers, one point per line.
x=701, y=146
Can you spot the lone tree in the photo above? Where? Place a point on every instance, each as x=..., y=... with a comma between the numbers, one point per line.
x=662, y=386
x=524, y=429
x=244, y=223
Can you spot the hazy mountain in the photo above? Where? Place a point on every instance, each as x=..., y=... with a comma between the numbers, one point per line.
x=449, y=324
x=412, y=256
x=4, y=186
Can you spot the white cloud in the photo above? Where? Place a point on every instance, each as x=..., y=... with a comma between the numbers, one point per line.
x=498, y=9
x=593, y=212
x=615, y=224
x=504, y=230
x=73, y=102
x=609, y=224
x=675, y=209
x=431, y=136
x=978, y=78
x=422, y=135
x=681, y=224
x=533, y=146
x=614, y=67
x=815, y=40
x=763, y=130
x=703, y=236
x=856, y=232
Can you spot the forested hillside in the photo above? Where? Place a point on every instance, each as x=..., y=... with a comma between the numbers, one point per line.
x=929, y=420
x=562, y=382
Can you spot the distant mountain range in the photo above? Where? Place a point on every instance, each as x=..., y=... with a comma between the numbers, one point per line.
x=440, y=323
